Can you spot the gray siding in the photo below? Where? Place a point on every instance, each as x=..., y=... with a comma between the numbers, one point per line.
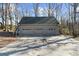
x=38, y=30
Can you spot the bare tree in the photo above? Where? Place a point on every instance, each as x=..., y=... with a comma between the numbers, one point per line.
x=16, y=14
x=6, y=14
x=49, y=9
x=69, y=20
x=74, y=19
x=35, y=7
x=2, y=15
x=10, y=16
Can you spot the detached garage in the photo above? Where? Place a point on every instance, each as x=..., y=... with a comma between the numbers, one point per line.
x=38, y=26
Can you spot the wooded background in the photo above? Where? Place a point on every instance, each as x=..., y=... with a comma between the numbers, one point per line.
x=66, y=13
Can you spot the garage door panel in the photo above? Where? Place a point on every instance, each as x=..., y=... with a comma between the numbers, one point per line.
x=38, y=32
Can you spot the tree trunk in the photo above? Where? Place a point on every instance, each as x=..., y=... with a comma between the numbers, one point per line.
x=35, y=7
x=49, y=7
x=6, y=20
x=2, y=15
x=10, y=17
x=74, y=20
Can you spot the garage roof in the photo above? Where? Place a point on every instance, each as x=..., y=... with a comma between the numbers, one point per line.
x=38, y=20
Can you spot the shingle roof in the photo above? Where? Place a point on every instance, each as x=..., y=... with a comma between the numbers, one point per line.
x=38, y=20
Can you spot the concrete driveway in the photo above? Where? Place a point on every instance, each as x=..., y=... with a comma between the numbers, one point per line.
x=34, y=46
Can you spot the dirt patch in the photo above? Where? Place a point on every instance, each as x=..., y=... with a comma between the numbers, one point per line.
x=6, y=40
